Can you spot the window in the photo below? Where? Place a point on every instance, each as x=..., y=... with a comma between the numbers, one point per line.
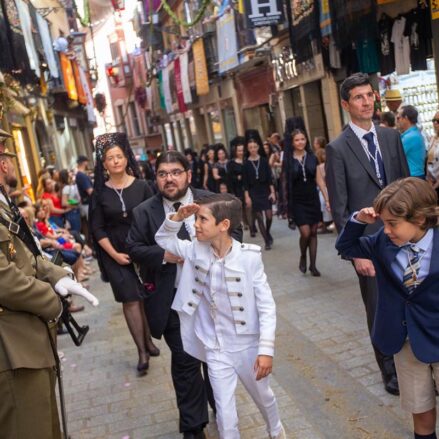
x=135, y=120
x=121, y=119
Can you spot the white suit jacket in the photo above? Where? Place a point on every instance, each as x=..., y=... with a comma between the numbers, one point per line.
x=250, y=296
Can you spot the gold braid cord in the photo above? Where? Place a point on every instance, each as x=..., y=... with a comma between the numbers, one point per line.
x=198, y=17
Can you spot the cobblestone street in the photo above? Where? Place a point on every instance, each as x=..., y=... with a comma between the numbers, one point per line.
x=325, y=376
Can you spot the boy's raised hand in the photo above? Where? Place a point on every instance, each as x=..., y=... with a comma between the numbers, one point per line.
x=263, y=366
x=367, y=215
x=185, y=212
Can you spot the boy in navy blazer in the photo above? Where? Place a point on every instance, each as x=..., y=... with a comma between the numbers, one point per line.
x=405, y=254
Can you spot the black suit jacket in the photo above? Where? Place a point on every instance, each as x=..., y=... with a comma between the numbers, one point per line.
x=147, y=219
x=350, y=177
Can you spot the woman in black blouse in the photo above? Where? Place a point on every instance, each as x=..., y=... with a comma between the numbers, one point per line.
x=118, y=189
x=258, y=185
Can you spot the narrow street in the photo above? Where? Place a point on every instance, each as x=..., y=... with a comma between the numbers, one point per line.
x=325, y=376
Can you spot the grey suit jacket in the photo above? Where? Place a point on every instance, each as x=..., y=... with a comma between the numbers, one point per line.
x=350, y=177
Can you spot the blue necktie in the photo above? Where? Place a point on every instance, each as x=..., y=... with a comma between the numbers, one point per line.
x=371, y=146
x=411, y=273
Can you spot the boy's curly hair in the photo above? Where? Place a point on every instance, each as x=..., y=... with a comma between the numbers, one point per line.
x=412, y=199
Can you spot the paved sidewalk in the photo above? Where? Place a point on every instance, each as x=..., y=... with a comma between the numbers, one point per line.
x=325, y=376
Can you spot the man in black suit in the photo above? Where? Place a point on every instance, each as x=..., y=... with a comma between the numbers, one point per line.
x=161, y=271
x=359, y=163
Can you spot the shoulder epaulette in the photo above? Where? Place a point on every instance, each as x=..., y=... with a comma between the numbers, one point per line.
x=251, y=247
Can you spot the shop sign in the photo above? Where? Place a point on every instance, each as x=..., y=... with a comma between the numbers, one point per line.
x=264, y=12
x=68, y=78
x=284, y=65
x=227, y=42
x=434, y=9
x=200, y=66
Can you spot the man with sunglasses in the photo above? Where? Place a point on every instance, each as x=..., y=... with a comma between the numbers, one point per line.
x=412, y=140
x=160, y=271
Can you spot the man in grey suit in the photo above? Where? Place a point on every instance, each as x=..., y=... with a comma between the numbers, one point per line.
x=359, y=163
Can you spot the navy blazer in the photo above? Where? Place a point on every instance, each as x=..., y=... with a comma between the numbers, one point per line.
x=398, y=313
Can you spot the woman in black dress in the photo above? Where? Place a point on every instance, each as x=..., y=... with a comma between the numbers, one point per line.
x=303, y=197
x=258, y=186
x=209, y=183
x=234, y=175
x=219, y=170
x=118, y=189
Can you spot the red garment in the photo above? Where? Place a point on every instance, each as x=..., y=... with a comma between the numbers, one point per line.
x=44, y=229
x=55, y=200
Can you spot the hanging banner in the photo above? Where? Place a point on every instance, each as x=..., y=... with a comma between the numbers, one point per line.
x=161, y=90
x=227, y=42
x=264, y=12
x=166, y=90
x=434, y=9
x=91, y=117
x=201, y=75
x=179, y=87
x=82, y=97
x=184, y=62
x=46, y=38
x=68, y=78
x=26, y=26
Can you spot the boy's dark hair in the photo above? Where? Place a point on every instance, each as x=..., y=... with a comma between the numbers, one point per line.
x=355, y=80
x=412, y=199
x=223, y=206
x=172, y=157
x=410, y=113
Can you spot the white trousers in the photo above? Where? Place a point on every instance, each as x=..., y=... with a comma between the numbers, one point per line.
x=224, y=370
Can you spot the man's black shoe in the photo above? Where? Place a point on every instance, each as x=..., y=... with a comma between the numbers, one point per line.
x=391, y=384
x=194, y=435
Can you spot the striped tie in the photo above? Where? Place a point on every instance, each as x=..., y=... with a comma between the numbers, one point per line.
x=410, y=277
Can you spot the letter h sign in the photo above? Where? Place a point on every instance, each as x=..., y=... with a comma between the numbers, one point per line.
x=264, y=12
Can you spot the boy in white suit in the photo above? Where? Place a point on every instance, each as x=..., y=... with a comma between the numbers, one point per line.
x=226, y=309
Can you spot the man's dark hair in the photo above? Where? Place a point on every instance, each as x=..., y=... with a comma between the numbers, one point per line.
x=388, y=118
x=223, y=206
x=82, y=159
x=355, y=80
x=410, y=113
x=172, y=157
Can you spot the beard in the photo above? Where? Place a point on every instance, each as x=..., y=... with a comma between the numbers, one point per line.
x=175, y=196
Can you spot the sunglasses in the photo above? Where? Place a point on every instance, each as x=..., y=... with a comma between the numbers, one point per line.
x=435, y=120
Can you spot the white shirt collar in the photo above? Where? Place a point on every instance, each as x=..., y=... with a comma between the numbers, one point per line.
x=360, y=132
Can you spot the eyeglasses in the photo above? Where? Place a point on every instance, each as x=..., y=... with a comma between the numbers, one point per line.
x=435, y=120
x=175, y=173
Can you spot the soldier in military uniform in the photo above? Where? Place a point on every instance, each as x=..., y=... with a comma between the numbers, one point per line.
x=29, y=308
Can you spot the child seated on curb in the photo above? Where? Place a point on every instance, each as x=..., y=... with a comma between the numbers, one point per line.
x=226, y=309
x=405, y=253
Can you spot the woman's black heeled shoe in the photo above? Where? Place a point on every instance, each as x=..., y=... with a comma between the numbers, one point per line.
x=142, y=368
x=302, y=264
x=314, y=271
